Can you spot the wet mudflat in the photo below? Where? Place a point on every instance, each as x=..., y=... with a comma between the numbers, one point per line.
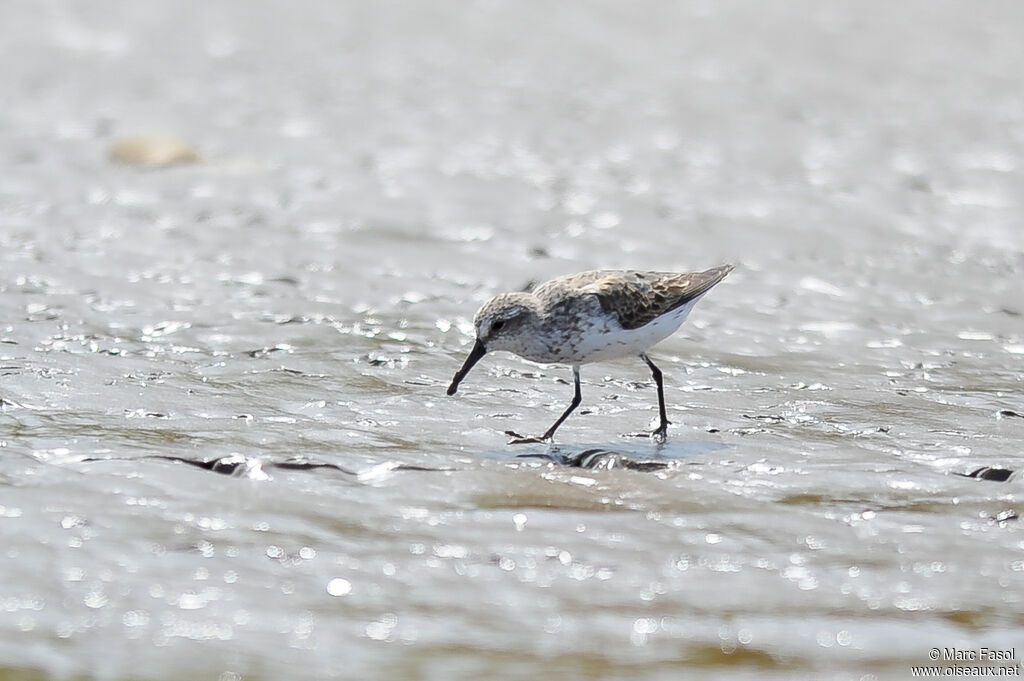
x=225, y=447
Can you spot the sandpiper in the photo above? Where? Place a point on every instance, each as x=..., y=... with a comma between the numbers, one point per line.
x=590, y=317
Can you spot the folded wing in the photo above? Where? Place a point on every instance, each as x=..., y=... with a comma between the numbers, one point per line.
x=638, y=298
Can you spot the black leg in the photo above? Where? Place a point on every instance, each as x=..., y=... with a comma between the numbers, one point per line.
x=662, y=429
x=546, y=437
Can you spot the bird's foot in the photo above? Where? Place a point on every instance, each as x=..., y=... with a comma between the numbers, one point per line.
x=518, y=439
x=659, y=435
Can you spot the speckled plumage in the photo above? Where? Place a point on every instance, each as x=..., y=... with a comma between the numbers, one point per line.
x=638, y=298
x=590, y=317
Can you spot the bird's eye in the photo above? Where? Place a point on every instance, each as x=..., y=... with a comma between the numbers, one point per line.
x=498, y=325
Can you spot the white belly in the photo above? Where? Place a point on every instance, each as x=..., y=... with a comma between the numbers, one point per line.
x=613, y=342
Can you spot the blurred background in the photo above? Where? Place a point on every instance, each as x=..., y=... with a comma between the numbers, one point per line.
x=250, y=238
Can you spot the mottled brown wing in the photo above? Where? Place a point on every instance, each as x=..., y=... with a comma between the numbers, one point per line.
x=557, y=288
x=637, y=298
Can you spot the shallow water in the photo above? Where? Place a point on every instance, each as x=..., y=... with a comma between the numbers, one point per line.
x=371, y=174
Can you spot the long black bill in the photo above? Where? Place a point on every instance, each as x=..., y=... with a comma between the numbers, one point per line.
x=475, y=354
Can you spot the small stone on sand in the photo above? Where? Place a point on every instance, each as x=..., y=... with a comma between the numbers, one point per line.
x=153, y=151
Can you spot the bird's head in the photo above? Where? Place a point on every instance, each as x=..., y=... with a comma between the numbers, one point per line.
x=503, y=323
